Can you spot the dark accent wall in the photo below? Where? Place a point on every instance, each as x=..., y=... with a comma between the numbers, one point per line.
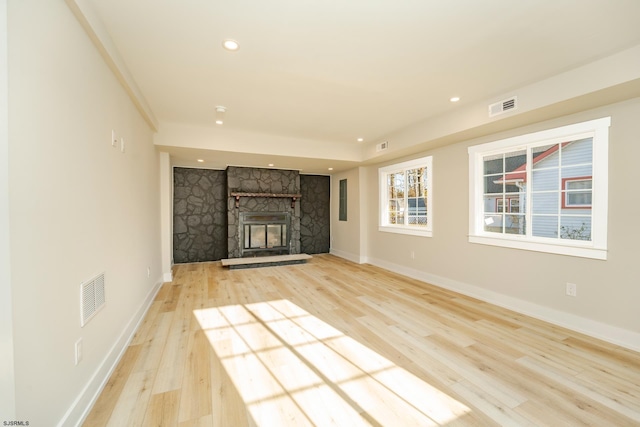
x=199, y=215
x=255, y=180
x=315, y=236
x=205, y=219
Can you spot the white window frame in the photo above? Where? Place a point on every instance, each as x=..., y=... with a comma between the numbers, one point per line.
x=383, y=172
x=596, y=248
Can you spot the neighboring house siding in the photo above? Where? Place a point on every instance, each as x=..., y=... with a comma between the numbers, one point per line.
x=544, y=179
x=547, y=194
x=574, y=161
x=545, y=226
x=489, y=204
x=577, y=152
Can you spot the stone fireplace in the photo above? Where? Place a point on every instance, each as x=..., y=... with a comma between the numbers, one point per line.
x=203, y=210
x=263, y=212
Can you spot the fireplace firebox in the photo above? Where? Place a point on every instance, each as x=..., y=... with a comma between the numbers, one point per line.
x=265, y=233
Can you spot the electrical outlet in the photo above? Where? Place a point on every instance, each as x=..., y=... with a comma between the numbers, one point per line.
x=572, y=289
x=148, y=272
x=122, y=145
x=114, y=138
x=78, y=351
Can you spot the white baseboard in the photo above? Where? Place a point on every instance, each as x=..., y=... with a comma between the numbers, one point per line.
x=348, y=256
x=80, y=408
x=612, y=334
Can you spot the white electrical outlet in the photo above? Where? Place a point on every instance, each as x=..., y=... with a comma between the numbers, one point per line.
x=114, y=138
x=148, y=272
x=572, y=289
x=122, y=145
x=78, y=351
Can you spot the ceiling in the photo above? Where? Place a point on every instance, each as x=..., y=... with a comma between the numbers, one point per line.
x=328, y=72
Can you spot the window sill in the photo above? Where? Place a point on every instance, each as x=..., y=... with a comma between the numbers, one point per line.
x=405, y=230
x=519, y=243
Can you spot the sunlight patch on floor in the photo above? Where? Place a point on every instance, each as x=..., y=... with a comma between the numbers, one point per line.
x=291, y=368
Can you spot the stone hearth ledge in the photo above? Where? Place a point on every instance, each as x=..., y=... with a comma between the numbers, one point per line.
x=265, y=261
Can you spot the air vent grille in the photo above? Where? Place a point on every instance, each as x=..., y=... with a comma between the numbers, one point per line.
x=503, y=106
x=382, y=146
x=92, y=298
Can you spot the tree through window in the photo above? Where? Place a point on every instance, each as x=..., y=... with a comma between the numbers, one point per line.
x=405, y=197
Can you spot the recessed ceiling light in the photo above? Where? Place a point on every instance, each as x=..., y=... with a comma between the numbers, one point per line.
x=330, y=169
x=454, y=99
x=270, y=165
x=200, y=161
x=360, y=139
x=230, y=44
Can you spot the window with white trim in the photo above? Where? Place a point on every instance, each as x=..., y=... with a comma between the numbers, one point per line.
x=405, y=197
x=544, y=191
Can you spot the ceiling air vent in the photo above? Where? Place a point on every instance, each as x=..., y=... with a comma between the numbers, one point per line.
x=382, y=146
x=503, y=106
x=91, y=298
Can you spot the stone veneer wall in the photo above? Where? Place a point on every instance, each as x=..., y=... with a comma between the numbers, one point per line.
x=253, y=180
x=199, y=215
x=315, y=235
x=201, y=202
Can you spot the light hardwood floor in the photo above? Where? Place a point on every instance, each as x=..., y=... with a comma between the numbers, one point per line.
x=331, y=342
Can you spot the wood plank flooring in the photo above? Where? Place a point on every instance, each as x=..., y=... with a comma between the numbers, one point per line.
x=333, y=343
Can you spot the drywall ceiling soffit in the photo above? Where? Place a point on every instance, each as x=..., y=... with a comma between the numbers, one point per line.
x=214, y=159
x=612, y=79
x=334, y=71
x=591, y=101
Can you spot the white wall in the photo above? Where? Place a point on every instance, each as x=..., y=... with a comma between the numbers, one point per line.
x=364, y=198
x=166, y=215
x=346, y=235
x=78, y=207
x=531, y=282
x=7, y=380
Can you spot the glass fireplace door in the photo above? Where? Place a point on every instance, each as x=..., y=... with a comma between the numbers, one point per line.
x=265, y=236
x=265, y=232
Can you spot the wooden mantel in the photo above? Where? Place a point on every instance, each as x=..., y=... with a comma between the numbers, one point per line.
x=293, y=197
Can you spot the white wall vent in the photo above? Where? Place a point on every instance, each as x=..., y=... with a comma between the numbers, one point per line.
x=503, y=106
x=92, y=298
x=382, y=146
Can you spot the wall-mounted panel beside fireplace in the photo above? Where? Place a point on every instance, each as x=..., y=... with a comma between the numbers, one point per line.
x=265, y=233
